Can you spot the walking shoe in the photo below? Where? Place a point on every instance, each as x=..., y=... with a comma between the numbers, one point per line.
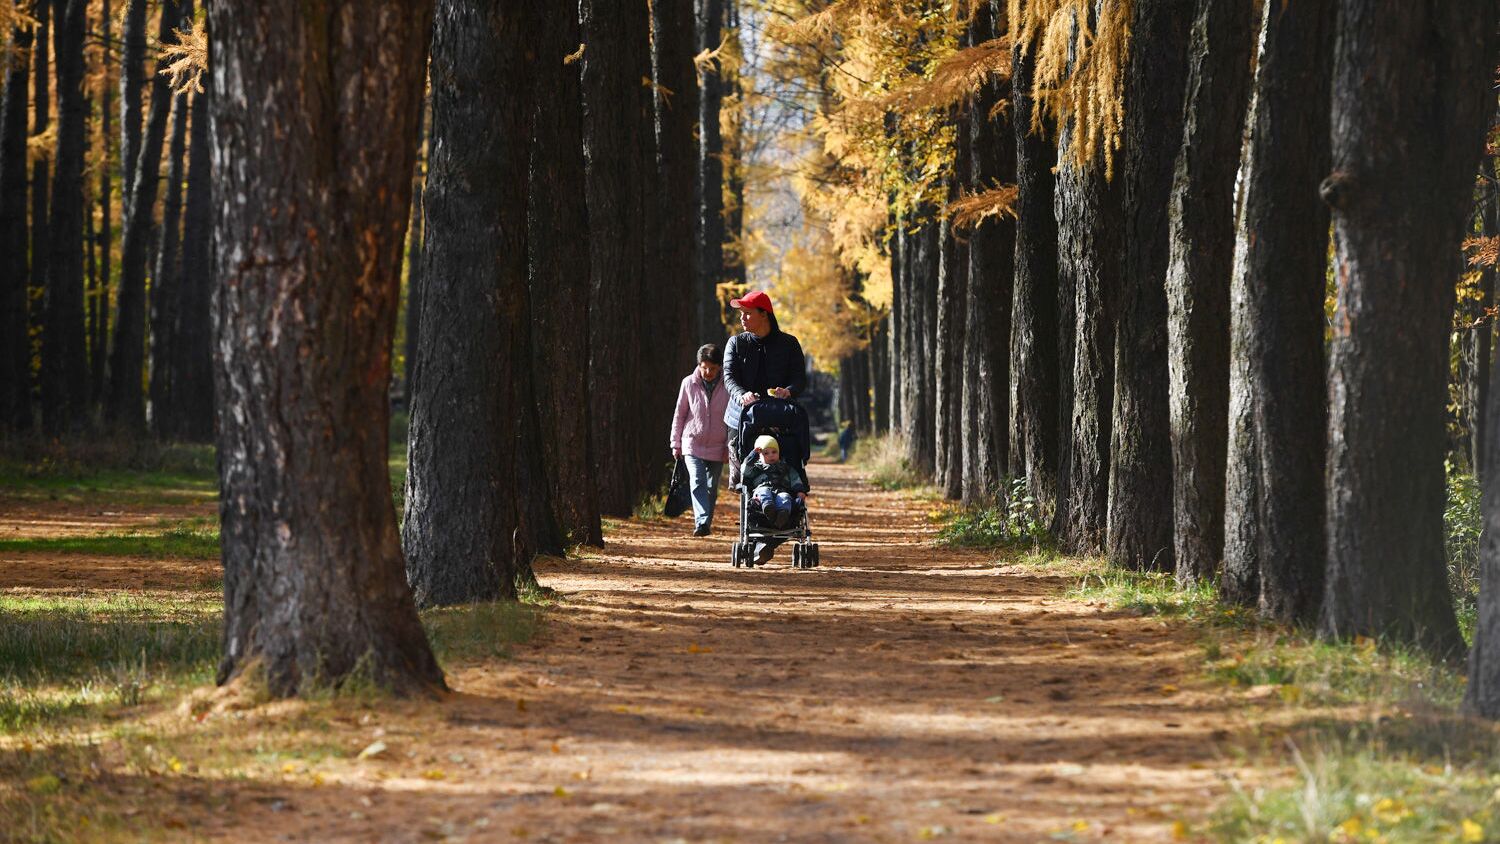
x=763, y=553
x=701, y=530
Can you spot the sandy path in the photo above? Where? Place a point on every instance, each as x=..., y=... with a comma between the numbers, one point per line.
x=900, y=693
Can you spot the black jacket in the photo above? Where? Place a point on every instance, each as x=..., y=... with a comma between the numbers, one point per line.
x=756, y=364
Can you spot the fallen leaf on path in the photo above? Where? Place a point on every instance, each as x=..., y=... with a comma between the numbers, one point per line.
x=434, y=774
x=1168, y=689
x=1180, y=831
x=561, y=792
x=375, y=748
x=695, y=649
x=994, y=819
x=1471, y=831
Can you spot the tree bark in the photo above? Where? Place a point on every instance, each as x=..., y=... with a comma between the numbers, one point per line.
x=41, y=189
x=1034, y=335
x=99, y=339
x=896, y=331
x=559, y=224
x=477, y=506
x=310, y=210
x=710, y=182
x=125, y=401
x=15, y=348
x=166, y=291
x=1480, y=338
x=616, y=107
x=64, y=347
x=922, y=255
x=1274, y=488
x=1201, y=261
x=132, y=94
x=1411, y=96
x=1140, y=474
x=880, y=377
x=948, y=360
x=415, y=237
x=992, y=271
x=192, y=349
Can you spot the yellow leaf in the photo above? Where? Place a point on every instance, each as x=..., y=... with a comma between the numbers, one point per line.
x=1080, y=826
x=1471, y=831
x=994, y=819
x=861, y=819
x=1351, y=827
x=1390, y=811
x=556, y=748
x=289, y=768
x=1179, y=831
x=175, y=765
x=695, y=649
x=1168, y=689
x=433, y=774
x=561, y=792
x=317, y=779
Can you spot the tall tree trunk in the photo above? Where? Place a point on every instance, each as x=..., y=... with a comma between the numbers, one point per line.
x=166, y=293
x=1140, y=473
x=1201, y=262
x=1411, y=96
x=923, y=255
x=1480, y=338
x=880, y=377
x=710, y=182
x=477, y=506
x=41, y=189
x=314, y=587
x=15, y=349
x=125, y=401
x=99, y=340
x=132, y=94
x=64, y=348
x=415, y=237
x=949, y=359
x=1088, y=214
x=1034, y=397
x=616, y=61
x=558, y=225
x=896, y=331
x=1278, y=406
x=192, y=349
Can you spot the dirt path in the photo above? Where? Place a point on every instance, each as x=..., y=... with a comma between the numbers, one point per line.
x=901, y=692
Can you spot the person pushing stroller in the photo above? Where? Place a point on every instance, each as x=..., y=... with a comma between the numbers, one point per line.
x=776, y=487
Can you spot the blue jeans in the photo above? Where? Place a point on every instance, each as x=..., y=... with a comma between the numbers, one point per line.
x=703, y=483
x=772, y=503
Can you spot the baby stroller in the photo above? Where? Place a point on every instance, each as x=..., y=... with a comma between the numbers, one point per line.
x=787, y=422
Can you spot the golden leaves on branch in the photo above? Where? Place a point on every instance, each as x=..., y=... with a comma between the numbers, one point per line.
x=1483, y=251
x=188, y=58
x=970, y=210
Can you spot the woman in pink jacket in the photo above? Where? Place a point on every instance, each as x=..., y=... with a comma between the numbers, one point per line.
x=699, y=436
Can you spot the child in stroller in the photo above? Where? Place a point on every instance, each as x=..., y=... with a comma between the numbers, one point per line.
x=777, y=488
x=773, y=486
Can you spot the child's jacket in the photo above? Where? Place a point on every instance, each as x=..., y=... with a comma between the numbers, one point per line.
x=780, y=476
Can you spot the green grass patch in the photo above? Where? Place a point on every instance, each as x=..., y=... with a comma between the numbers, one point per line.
x=1014, y=519
x=109, y=470
x=196, y=539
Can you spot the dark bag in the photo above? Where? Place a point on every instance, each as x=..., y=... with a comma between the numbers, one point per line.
x=679, y=497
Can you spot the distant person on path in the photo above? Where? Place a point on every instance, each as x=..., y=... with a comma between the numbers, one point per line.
x=698, y=435
x=777, y=487
x=846, y=441
x=762, y=360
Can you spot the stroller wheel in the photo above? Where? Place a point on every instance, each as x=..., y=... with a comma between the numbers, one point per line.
x=798, y=556
x=815, y=554
x=734, y=555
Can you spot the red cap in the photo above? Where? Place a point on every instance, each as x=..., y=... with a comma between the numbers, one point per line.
x=753, y=299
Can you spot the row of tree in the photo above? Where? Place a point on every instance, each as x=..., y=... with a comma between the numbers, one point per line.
x=96, y=329
x=1134, y=319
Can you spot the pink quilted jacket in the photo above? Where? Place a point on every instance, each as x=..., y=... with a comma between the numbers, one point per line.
x=698, y=425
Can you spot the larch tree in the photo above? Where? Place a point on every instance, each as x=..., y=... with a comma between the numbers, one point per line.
x=477, y=504
x=558, y=231
x=64, y=348
x=616, y=110
x=1278, y=405
x=15, y=351
x=41, y=188
x=1411, y=97
x=1201, y=220
x=310, y=204
x=1140, y=471
x=99, y=337
x=132, y=92
x=166, y=291
x=125, y=399
x=949, y=358
x=710, y=182
x=192, y=346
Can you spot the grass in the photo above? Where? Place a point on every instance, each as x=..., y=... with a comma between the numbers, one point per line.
x=194, y=539
x=109, y=471
x=884, y=460
x=1014, y=520
x=1368, y=731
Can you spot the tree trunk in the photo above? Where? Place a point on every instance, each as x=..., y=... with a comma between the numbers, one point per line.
x=710, y=182
x=132, y=91
x=192, y=349
x=677, y=161
x=917, y=382
x=1201, y=262
x=15, y=349
x=1411, y=97
x=165, y=290
x=559, y=223
x=415, y=237
x=615, y=109
x=41, y=189
x=1278, y=406
x=1140, y=475
x=1088, y=214
x=125, y=402
x=880, y=378
x=99, y=339
x=1480, y=338
x=896, y=332
x=310, y=211
x=949, y=359
x=477, y=506
x=65, y=370
x=1033, y=387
